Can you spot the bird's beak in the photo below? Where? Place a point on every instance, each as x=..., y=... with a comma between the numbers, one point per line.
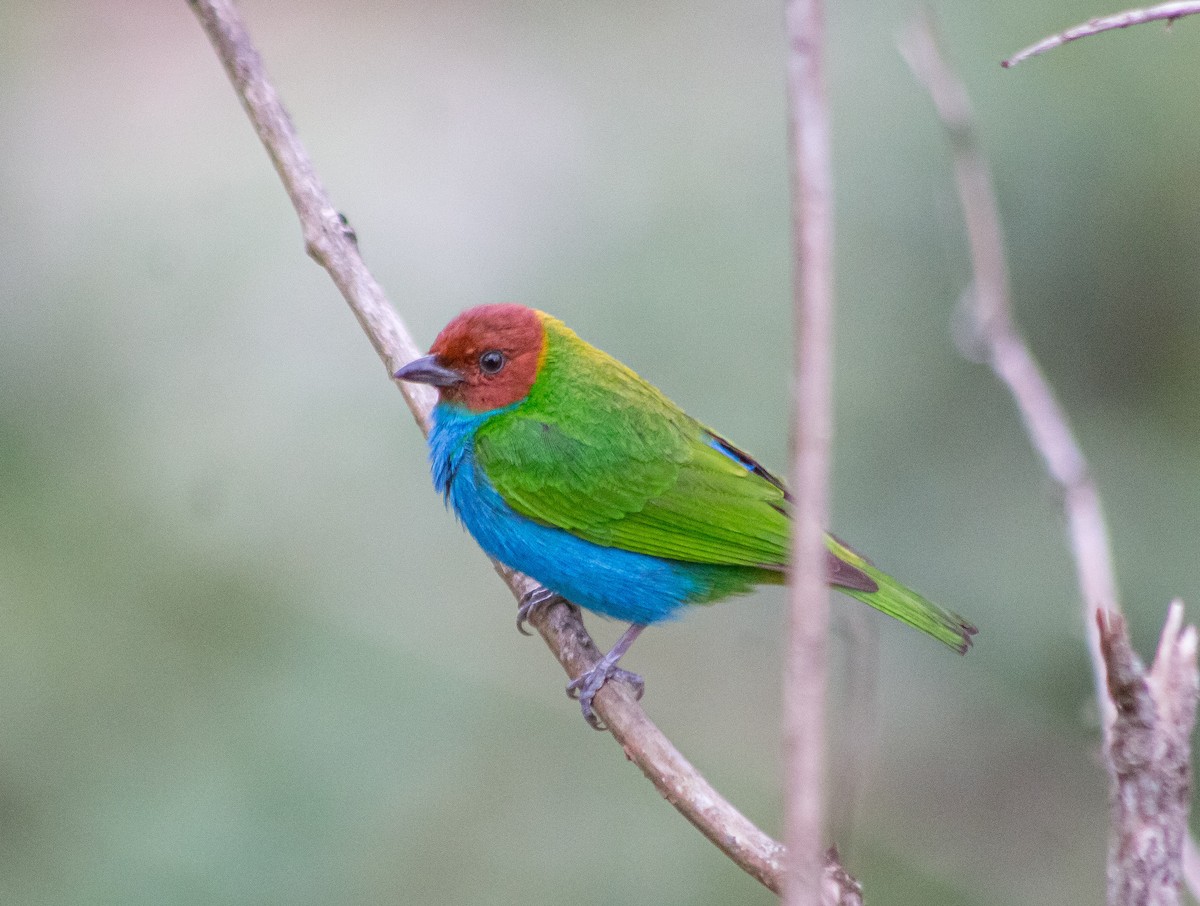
x=428, y=370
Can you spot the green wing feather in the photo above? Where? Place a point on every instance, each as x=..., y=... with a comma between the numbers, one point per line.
x=601, y=453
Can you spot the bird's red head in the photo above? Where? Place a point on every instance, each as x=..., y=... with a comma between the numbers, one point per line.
x=484, y=359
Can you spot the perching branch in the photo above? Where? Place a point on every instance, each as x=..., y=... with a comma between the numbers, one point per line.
x=1146, y=720
x=1167, y=12
x=812, y=237
x=332, y=244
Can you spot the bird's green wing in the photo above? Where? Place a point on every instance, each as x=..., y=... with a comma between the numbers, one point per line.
x=694, y=499
x=657, y=486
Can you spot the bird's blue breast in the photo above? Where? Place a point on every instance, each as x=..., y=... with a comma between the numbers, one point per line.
x=616, y=583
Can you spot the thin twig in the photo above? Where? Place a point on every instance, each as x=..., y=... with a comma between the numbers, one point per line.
x=330, y=241
x=1146, y=718
x=812, y=230
x=997, y=340
x=1167, y=12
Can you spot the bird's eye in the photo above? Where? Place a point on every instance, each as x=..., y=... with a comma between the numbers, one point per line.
x=491, y=361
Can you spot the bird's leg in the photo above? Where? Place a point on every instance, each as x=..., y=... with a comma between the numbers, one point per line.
x=587, y=684
x=531, y=601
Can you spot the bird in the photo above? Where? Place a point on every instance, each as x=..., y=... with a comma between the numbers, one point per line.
x=565, y=465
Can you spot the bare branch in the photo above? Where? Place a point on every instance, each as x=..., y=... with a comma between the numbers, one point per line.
x=1146, y=720
x=997, y=340
x=330, y=241
x=812, y=231
x=1167, y=12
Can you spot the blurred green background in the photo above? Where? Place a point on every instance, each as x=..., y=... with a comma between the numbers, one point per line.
x=246, y=657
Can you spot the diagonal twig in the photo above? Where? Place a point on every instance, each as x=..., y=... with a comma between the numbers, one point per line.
x=997, y=340
x=1164, y=12
x=1146, y=717
x=329, y=240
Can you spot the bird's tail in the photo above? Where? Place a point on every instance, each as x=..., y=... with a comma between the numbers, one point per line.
x=901, y=602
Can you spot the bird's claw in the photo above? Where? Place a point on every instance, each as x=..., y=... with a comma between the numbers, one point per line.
x=585, y=686
x=531, y=601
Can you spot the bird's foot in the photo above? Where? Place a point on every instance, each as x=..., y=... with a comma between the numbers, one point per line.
x=585, y=686
x=531, y=601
